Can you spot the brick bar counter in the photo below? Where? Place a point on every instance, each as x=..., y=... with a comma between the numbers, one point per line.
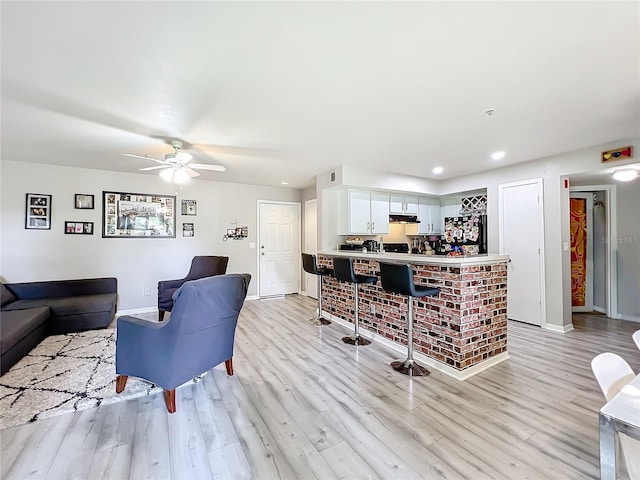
x=460, y=332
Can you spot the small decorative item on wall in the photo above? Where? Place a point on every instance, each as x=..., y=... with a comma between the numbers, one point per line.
x=237, y=233
x=127, y=215
x=189, y=207
x=78, y=228
x=83, y=201
x=38, y=212
x=623, y=153
x=187, y=230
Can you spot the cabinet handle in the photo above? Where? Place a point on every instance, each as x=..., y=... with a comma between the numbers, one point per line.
x=368, y=226
x=373, y=226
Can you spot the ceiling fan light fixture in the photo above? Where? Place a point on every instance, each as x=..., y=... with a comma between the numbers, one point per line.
x=167, y=174
x=180, y=176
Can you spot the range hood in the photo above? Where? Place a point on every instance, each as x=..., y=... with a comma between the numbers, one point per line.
x=403, y=219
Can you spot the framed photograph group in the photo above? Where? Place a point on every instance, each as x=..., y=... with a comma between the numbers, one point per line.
x=38, y=212
x=78, y=228
x=127, y=215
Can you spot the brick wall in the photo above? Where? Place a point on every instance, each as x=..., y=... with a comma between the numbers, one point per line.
x=464, y=325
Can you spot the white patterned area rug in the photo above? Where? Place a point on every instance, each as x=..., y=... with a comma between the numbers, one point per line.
x=63, y=374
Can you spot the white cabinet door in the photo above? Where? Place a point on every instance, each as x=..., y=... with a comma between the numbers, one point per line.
x=360, y=212
x=379, y=213
x=429, y=215
x=403, y=204
x=411, y=205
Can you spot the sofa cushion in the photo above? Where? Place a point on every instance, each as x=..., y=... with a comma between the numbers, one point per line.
x=61, y=307
x=6, y=296
x=17, y=324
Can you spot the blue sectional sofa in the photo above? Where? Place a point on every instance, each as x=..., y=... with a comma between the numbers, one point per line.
x=31, y=311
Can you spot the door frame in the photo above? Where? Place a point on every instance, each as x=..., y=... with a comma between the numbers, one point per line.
x=541, y=256
x=273, y=202
x=588, y=300
x=309, y=232
x=612, y=250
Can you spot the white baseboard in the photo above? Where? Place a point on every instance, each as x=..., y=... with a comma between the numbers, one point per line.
x=421, y=358
x=599, y=310
x=558, y=328
x=252, y=297
x=133, y=311
x=630, y=318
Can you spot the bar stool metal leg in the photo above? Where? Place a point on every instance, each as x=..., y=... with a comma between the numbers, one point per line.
x=319, y=320
x=356, y=339
x=409, y=367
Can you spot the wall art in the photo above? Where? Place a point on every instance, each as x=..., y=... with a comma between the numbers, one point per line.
x=138, y=215
x=38, y=212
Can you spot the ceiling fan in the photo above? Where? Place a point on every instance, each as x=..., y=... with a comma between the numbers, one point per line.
x=176, y=167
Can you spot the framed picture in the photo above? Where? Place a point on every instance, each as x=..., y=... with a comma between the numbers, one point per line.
x=83, y=201
x=138, y=215
x=38, y=212
x=187, y=229
x=78, y=228
x=189, y=207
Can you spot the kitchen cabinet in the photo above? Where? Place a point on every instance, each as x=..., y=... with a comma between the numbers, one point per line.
x=403, y=204
x=450, y=207
x=429, y=214
x=366, y=213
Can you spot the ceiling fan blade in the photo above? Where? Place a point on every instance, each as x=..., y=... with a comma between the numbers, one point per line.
x=155, y=167
x=191, y=173
x=145, y=158
x=204, y=166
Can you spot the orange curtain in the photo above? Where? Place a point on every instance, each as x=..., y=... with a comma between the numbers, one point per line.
x=578, y=225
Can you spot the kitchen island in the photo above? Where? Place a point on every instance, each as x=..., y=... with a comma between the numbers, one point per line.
x=460, y=332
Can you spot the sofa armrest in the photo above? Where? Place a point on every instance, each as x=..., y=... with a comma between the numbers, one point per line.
x=63, y=288
x=166, y=284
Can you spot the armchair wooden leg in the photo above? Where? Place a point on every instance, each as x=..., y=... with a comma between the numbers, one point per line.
x=170, y=400
x=229, y=365
x=121, y=381
x=160, y=315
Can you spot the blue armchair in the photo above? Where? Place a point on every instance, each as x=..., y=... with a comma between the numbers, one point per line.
x=201, y=266
x=198, y=335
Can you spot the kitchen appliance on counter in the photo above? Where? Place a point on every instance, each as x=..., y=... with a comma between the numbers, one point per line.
x=396, y=247
x=370, y=245
x=464, y=235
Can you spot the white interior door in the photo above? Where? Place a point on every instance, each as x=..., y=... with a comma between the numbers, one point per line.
x=582, y=256
x=521, y=235
x=311, y=244
x=279, y=248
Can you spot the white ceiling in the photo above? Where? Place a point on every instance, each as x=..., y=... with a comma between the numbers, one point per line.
x=285, y=90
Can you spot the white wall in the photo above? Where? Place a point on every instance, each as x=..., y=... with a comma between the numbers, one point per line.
x=30, y=255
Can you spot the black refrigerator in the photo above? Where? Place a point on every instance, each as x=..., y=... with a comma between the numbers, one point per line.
x=465, y=235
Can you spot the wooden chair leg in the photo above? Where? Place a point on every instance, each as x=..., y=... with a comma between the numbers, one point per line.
x=229, y=365
x=121, y=381
x=170, y=400
x=160, y=315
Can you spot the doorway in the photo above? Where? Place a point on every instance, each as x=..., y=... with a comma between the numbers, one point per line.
x=279, y=248
x=581, y=235
x=521, y=234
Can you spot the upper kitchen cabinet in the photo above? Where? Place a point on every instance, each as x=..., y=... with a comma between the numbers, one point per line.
x=403, y=204
x=364, y=213
x=429, y=214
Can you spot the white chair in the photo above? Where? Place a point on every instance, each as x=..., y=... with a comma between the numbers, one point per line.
x=636, y=338
x=612, y=373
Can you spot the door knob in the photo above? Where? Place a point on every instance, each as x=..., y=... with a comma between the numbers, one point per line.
x=261, y=253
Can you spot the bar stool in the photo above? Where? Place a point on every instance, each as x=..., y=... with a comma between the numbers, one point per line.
x=344, y=272
x=310, y=265
x=397, y=278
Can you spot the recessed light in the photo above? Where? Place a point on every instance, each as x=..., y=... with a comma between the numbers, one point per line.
x=498, y=155
x=438, y=170
x=284, y=183
x=625, y=175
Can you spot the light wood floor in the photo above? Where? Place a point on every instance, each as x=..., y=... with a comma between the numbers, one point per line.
x=304, y=405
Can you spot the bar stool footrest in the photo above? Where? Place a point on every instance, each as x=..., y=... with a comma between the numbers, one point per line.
x=409, y=368
x=356, y=341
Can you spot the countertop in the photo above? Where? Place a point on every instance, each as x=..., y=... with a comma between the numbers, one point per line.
x=418, y=258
